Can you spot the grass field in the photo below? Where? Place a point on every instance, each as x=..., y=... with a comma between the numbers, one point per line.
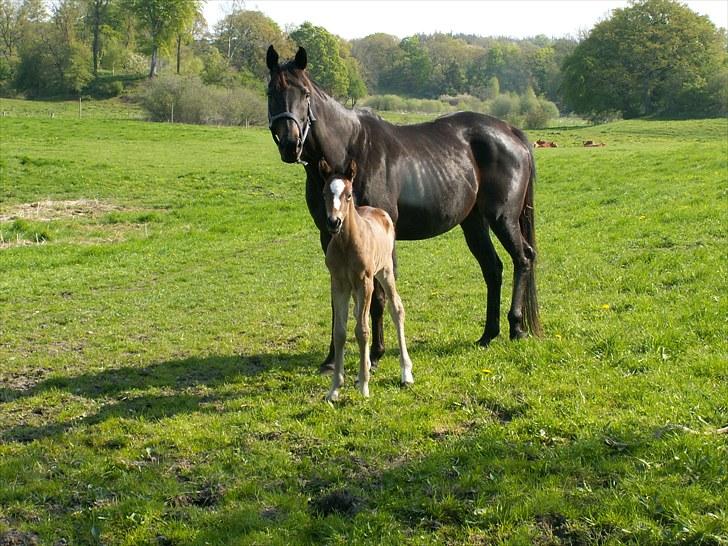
x=164, y=308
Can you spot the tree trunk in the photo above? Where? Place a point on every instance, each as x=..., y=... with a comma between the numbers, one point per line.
x=179, y=51
x=153, y=64
x=96, y=45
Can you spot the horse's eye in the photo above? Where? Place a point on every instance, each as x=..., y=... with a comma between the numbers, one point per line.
x=348, y=197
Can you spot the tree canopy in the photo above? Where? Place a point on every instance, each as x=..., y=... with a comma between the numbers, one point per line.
x=654, y=57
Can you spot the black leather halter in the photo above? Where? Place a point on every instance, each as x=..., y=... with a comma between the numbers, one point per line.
x=302, y=129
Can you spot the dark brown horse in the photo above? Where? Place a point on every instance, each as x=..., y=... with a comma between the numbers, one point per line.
x=464, y=169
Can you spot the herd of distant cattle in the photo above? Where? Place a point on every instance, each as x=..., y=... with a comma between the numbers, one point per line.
x=551, y=144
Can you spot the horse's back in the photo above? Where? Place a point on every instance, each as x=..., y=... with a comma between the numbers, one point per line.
x=379, y=220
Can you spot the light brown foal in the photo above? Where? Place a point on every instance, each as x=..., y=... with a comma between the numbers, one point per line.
x=361, y=248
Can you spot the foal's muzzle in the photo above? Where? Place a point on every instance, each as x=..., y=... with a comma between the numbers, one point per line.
x=333, y=225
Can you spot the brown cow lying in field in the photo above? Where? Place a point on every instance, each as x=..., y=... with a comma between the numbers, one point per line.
x=545, y=144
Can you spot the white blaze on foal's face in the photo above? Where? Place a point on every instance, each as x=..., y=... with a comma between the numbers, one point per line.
x=337, y=188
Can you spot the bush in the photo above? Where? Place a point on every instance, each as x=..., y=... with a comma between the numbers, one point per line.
x=503, y=106
x=536, y=111
x=104, y=89
x=386, y=103
x=189, y=100
x=7, y=76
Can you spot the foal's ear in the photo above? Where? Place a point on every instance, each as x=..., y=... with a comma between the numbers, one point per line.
x=301, y=59
x=271, y=58
x=324, y=168
x=351, y=170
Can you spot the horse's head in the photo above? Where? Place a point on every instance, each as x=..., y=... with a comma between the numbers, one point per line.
x=337, y=194
x=289, y=104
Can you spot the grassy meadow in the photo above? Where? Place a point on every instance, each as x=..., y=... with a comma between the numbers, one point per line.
x=164, y=309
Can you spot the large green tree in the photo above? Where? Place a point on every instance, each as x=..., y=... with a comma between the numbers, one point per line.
x=325, y=61
x=377, y=54
x=654, y=57
x=162, y=20
x=243, y=36
x=55, y=61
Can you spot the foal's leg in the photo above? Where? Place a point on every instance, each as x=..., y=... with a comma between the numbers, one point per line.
x=340, y=295
x=508, y=231
x=475, y=228
x=396, y=309
x=363, y=303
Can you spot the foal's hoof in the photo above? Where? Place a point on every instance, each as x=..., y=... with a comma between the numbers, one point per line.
x=406, y=380
x=484, y=340
x=326, y=368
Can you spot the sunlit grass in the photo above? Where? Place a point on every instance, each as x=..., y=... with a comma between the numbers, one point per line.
x=158, y=352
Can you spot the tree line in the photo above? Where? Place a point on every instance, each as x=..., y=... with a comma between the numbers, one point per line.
x=655, y=57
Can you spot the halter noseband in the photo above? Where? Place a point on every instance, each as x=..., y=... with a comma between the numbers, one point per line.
x=302, y=134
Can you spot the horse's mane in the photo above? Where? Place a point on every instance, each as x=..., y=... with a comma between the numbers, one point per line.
x=290, y=66
x=366, y=111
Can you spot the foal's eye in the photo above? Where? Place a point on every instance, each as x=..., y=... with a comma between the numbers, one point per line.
x=348, y=197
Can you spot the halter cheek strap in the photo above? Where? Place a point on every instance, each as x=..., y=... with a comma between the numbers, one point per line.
x=302, y=133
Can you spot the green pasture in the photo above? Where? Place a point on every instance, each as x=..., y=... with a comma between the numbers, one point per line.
x=164, y=309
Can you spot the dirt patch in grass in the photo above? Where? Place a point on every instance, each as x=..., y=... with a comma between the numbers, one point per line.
x=45, y=211
x=94, y=222
x=18, y=538
x=208, y=495
x=341, y=502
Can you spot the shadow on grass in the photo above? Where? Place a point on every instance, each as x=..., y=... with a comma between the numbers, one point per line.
x=487, y=486
x=115, y=388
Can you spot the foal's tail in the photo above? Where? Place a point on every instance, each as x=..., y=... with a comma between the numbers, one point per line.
x=528, y=231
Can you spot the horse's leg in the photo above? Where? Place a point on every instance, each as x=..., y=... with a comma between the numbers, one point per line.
x=475, y=228
x=327, y=365
x=377, y=312
x=340, y=295
x=396, y=309
x=363, y=296
x=508, y=231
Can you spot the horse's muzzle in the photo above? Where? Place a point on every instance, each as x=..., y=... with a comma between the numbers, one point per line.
x=333, y=225
x=290, y=150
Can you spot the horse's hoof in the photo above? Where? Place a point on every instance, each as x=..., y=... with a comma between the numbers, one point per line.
x=326, y=368
x=518, y=335
x=407, y=380
x=373, y=366
x=484, y=341
x=332, y=396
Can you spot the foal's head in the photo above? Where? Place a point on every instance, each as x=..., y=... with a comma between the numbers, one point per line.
x=337, y=194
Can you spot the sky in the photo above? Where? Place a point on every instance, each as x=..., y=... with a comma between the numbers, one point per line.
x=515, y=18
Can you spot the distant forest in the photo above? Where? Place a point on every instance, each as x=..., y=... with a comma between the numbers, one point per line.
x=655, y=57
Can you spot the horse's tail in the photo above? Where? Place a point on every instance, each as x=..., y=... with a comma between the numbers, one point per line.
x=528, y=230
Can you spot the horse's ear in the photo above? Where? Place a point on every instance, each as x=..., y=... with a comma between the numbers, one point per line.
x=351, y=170
x=324, y=168
x=271, y=58
x=301, y=59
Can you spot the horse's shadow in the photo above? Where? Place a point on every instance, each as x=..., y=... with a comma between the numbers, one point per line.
x=174, y=385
